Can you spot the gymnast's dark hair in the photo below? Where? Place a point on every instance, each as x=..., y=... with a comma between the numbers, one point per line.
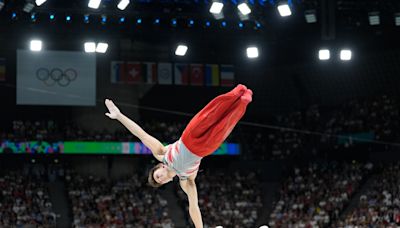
x=151, y=181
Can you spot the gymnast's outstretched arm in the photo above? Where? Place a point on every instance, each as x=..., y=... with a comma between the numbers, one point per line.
x=156, y=147
x=189, y=187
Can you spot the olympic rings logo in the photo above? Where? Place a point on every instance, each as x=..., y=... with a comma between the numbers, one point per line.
x=56, y=76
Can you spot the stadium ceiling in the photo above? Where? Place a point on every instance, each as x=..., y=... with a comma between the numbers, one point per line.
x=333, y=18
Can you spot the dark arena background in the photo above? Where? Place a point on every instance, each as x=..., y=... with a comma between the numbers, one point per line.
x=319, y=145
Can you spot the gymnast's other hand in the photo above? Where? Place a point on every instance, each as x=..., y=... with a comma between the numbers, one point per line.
x=113, y=111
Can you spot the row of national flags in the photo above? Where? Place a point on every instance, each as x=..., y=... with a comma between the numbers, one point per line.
x=172, y=73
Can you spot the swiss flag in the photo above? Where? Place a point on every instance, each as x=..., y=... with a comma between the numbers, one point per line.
x=132, y=72
x=196, y=74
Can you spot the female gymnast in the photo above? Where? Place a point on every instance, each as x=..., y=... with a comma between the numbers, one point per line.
x=202, y=136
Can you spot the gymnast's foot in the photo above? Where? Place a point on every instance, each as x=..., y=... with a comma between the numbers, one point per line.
x=239, y=90
x=247, y=96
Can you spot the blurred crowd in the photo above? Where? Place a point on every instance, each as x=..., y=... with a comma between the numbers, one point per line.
x=379, y=205
x=127, y=202
x=227, y=199
x=350, y=124
x=315, y=195
x=25, y=200
x=282, y=137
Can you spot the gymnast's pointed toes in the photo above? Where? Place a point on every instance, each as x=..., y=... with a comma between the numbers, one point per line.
x=239, y=90
x=247, y=96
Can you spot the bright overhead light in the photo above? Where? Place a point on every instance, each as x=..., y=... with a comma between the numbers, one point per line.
x=263, y=226
x=252, y=52
x=244, y=8
x=36, y=45
x=311, y=16
x=345, y=55
x=324, y=54
x=101, y=47
x=374, y=18
x=216, y=7
x=94, y=4
x=40, y=2
x=90, y=47
x=123, y=4
x=284, y=10
x=181, y=50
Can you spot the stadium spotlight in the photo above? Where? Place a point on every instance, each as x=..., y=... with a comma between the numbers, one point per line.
x=36, y=45
x=216, y=10
x=40, y=2
x=252, y=52
x=374, y=18
x=219, y=227
x=90, y=47
x=244, y=8
x=284, y=10
x=181, y=50
x=263, y=226
x=86, y=18
x=216, y=7
x=311, y=16
x=103, y=19
x=33, y=17
x=123, y=4
x=397, y=19
x=101, y=47
x=94, y=4
x=191, y=22
x=324, y=54
x=345, y=54
x=14, y=16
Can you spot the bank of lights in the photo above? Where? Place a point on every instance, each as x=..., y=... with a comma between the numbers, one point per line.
x=244, y=8
x=181, y=50
x=345, y=55
x=216, y=7
x=36, y=45
x=284, y=10
x=324, y=54
x=40, y=2
x=94, y=4
x=252, y=52
x=123, y=4
x=91, y=47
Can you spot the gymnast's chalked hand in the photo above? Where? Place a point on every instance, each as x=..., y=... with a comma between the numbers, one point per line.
x=113, y=111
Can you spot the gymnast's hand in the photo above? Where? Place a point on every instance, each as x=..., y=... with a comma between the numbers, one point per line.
x=113, y=111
